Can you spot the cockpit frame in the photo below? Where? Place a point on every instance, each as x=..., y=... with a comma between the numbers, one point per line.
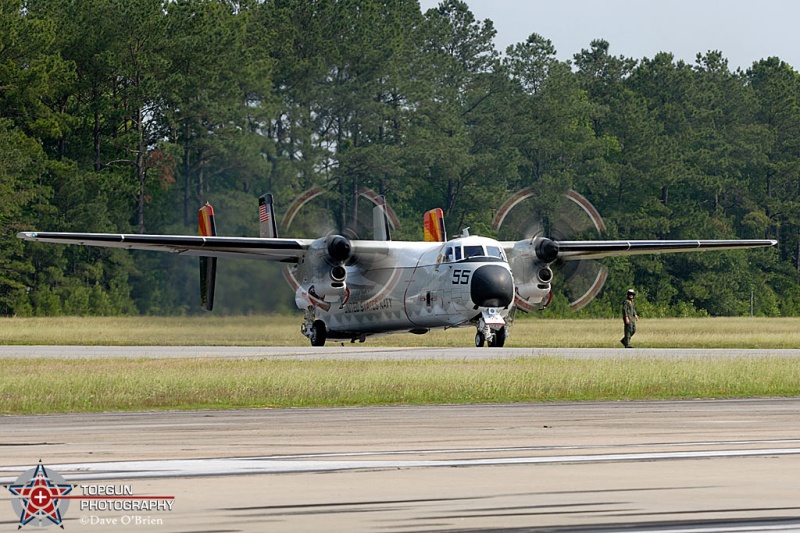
x=457, y=252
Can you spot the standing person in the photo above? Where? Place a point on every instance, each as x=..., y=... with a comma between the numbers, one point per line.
x=630, y=318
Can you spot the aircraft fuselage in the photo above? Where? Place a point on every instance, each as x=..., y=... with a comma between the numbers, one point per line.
x=422, y=286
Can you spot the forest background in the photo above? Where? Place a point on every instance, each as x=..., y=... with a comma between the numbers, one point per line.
x=120, y=116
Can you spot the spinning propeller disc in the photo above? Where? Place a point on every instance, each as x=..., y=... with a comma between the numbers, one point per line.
x=316, y=213
x=570, y=217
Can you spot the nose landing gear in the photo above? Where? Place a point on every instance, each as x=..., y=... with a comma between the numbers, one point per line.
x=497, y=338
x=491, y=328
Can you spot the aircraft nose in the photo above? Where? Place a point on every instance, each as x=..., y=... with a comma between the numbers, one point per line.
x=491, y=286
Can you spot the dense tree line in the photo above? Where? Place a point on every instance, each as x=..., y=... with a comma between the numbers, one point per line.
x=120, y=116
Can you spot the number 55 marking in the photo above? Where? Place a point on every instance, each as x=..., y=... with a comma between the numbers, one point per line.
x=461, y=277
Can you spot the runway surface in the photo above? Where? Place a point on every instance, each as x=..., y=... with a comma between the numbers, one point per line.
x=359, y=351
x=698, y=465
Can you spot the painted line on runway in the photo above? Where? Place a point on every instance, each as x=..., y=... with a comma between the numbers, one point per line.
x=519, y=449
x=382, y=353
x=270, y=465
x=747, y=527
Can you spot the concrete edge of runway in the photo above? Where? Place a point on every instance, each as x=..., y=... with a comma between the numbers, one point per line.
x=349, y=352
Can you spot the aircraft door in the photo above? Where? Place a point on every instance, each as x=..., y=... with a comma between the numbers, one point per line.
x=445, y=303
x=429, y=294
x=436, y=302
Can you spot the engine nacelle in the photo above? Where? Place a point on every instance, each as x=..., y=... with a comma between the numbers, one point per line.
x=320, y=291
x=536, y=289
x=532, y=274
x=322, y=276
x=332, y=284
x=338, y=275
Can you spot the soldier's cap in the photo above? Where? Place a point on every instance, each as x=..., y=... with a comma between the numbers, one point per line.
x=631, y=291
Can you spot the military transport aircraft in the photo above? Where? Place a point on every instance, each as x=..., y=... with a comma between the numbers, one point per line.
x=350, y=288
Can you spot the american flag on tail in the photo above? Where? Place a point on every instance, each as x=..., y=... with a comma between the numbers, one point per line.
x=263, y=214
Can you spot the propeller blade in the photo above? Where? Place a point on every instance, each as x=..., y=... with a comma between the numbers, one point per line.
x=523, y=216
x=314, y=214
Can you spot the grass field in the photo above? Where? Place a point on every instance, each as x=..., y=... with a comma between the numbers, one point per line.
x=43, y=385
x=55, y=386
x=285, y=331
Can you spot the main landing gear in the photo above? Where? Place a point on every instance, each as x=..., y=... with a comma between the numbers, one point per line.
x=313, y=328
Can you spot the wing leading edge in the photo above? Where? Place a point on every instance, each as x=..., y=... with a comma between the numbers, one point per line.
x=569, y=250
x=265, y=249
x=284, y=250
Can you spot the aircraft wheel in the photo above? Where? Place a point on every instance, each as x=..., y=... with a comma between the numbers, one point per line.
x=499, y=338
x=318, y=333
x=479, y=339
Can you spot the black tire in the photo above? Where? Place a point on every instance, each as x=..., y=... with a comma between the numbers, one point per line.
x=499, y=338
x=319, y=333
x=479, y=339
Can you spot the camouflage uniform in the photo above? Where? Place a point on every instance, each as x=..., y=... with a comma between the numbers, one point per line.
x=629, y=317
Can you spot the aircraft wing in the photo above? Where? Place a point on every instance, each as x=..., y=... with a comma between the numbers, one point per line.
x=285, y=250
x=569, y=250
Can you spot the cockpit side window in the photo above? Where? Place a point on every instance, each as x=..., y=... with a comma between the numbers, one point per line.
x=448, y=255
x=473, y=251
x=459, y=255
x=495, y=251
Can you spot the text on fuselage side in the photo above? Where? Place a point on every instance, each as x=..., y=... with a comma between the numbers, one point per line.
x=363, y=307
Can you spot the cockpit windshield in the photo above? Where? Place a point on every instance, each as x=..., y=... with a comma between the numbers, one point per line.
x=458, y=253
x=473, y=251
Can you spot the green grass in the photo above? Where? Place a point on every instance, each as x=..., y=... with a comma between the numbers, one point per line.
x=56, y=386
x=285, y=331
x=42, y=385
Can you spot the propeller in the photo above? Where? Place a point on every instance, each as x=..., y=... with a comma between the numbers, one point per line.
x=313, y=214
x=568, y=217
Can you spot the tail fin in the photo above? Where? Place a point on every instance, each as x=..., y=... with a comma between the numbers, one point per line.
x=266, y=218
x=380, y=222
x=434, y=226
x=206, y=227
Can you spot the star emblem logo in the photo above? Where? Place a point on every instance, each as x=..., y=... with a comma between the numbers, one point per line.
x=39, y=496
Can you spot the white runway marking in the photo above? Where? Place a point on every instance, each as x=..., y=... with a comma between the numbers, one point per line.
x=300, y=463
x=753, y=527
x=679, y=466
x=358, y=352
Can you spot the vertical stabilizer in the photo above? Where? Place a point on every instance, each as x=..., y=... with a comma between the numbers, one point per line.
x=206, y=227
x=380, y=222
x=434, y=226
x=266, y=218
